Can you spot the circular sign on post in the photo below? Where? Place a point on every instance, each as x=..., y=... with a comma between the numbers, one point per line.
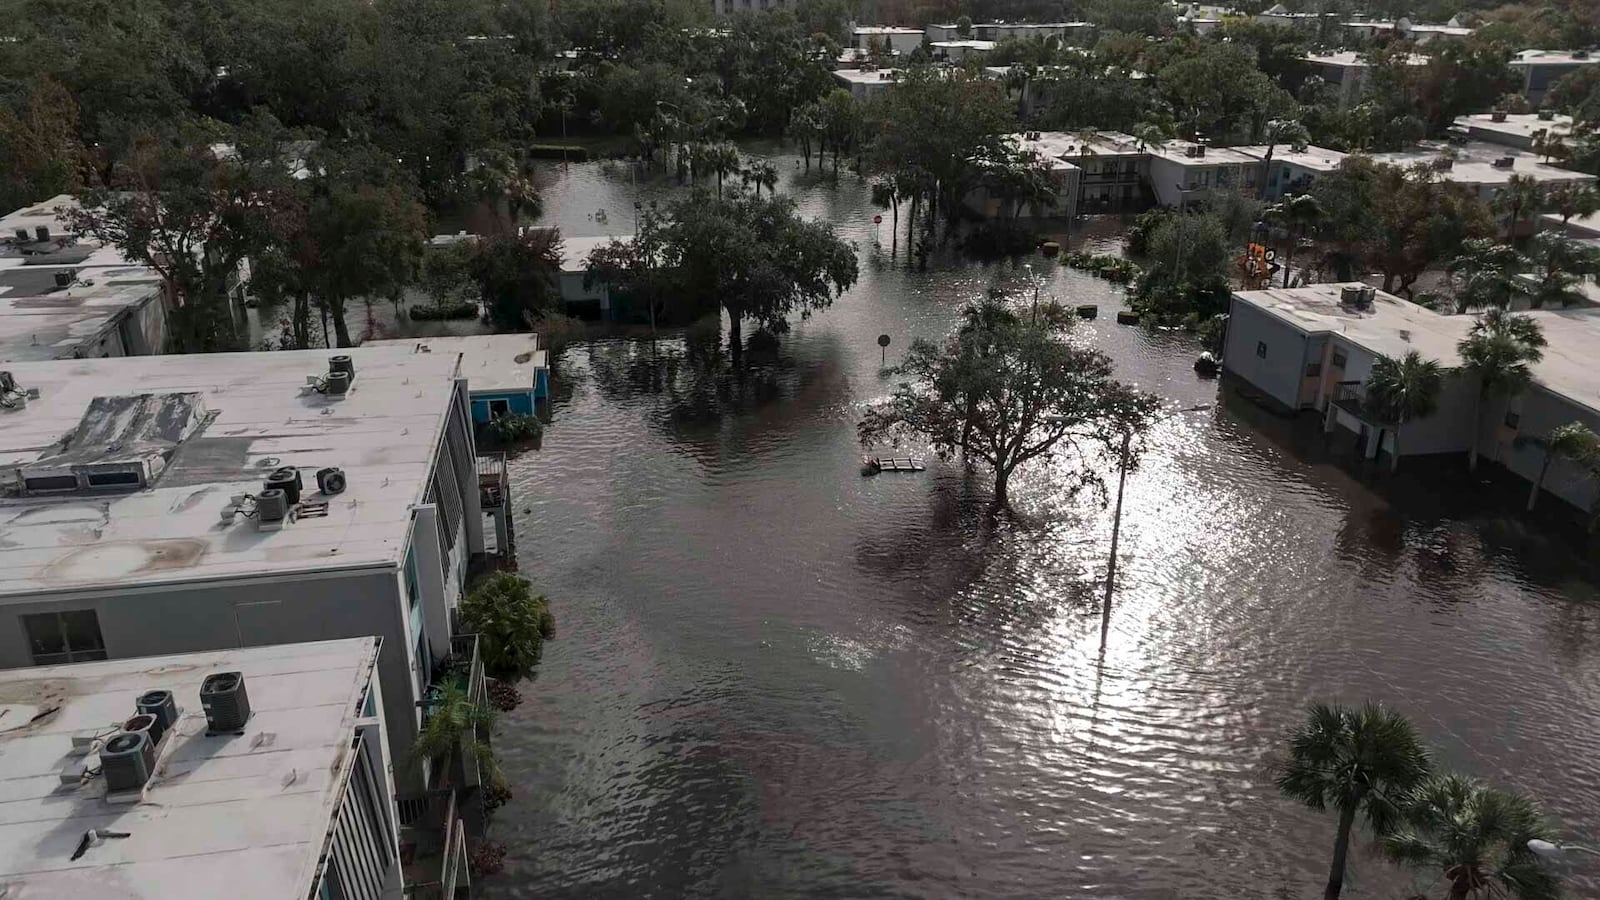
x=883, y=341
x=1270, y=255
x=877, y=220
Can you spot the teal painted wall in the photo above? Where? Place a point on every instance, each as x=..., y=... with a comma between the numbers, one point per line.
x=519, y=402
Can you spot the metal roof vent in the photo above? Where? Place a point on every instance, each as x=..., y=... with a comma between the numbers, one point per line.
x=226, y=704
x=126, y=761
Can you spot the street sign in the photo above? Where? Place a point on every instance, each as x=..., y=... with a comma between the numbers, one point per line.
x=883, y=341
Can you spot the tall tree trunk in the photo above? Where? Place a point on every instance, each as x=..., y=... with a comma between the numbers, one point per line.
x=1538, y=485
x=1394, y=458
x=1477, y=428
x=1001, y=478
x=341, y=330
x=735, y=338
x=1288, y=259
x=1388, y=282
x=719, y=183
x=1341, y=853
x=1266, y=168
x=301, y=323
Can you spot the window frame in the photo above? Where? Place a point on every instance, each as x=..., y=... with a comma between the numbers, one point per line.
x=69, y=653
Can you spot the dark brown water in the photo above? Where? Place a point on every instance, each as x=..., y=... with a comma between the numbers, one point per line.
x=775, y=678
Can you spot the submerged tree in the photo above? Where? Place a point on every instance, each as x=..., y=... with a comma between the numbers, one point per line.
x=1487, y=273
x=1004, y=390
x=1403, y=390
x=1572, y=441
x=1361, y=763
x=1499, y=351
x=511, y=623
x=1475, y=839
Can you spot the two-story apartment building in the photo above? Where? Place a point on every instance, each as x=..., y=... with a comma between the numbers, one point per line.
x=1313, y=348
x=141, y=778
x=1347, y=73
x=171, y=504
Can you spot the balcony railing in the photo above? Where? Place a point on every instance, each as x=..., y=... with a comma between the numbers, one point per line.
x=438, y=871
x=1349, y=396
x=492, y=483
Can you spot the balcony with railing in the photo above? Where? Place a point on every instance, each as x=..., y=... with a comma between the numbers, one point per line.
x=1351, y=397
x=434, y=847
x=492, y=481
x=494, y=497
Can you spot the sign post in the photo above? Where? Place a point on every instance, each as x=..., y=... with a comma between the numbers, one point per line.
x=883, y=345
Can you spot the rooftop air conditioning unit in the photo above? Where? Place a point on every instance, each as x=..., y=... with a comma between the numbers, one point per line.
x=1498, y=115
x=1580, y=54
x=1350, y=295
x=1505, y=162
x=65, y=279
x=331, y=481
x=1200, y=151
x=342, y=363
x=286, y=479
x=272, y=508
x=1547, y=115
x=227, y=706
x=1368, y=295
x=42, y=232
x=23, y=237
x=126, y=761
x=160, y=704
x=145, y=724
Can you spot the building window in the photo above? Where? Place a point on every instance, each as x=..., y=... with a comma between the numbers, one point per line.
x=64, y=637
x=1314, y=370
x=1261, y=349
x=498, y=408
x=1513, y=420
x=1339, y=359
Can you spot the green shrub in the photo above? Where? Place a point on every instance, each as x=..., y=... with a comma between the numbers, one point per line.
x=511, y=623
x=513, y=428
x=438, y=311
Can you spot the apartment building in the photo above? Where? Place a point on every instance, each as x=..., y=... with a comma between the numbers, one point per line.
x=257, y=773
x=1312, y=348
x=1347, y=73
x=168, y=504
x=63, y=297
x=896, y=40
x=1541, y=69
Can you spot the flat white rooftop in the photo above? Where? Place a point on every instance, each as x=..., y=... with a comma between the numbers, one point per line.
x=575, y=250
x=1475, y=164
x=886, y=29
x=963, y=45
x=242, y=817
x=1316, y=159
x=383, y=433
x=1523, y=126
x=1393, y=327
x=1177, y=152
x=1553, y=58
x=867, y=76
x=1055, y=146
x=1579, y=227
x=1351, y=59
x=42, y=320
x=491, y=363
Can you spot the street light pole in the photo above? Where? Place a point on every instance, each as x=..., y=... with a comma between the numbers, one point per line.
x=1549, y=850
x=1116, y=518
x=1116, y=533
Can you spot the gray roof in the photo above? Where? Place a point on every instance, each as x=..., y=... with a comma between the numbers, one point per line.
x=243, y=817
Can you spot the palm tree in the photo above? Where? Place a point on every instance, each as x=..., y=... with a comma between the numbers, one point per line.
x=1500, y=350
x=1476, y=838
x=1299, y=215
x=1573, y=200
x=1360, y=762
x=1402, y=390
x=721, y=158
x=454, y=724
x=761, y=174
x=1572, y=441
x=1562, y=264
x=1517, y=199
x=1489, y=273
x=1552, y=147
x=1281, y=131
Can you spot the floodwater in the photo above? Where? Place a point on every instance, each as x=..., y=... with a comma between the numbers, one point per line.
x=776, y=678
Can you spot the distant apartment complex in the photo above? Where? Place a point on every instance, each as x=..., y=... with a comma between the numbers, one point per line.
x=1347, y=73
x=1312, y=348
x=161, y=504
x=1541, y=69
x=62, y=297
x=1406, y=30
x=248, y=773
